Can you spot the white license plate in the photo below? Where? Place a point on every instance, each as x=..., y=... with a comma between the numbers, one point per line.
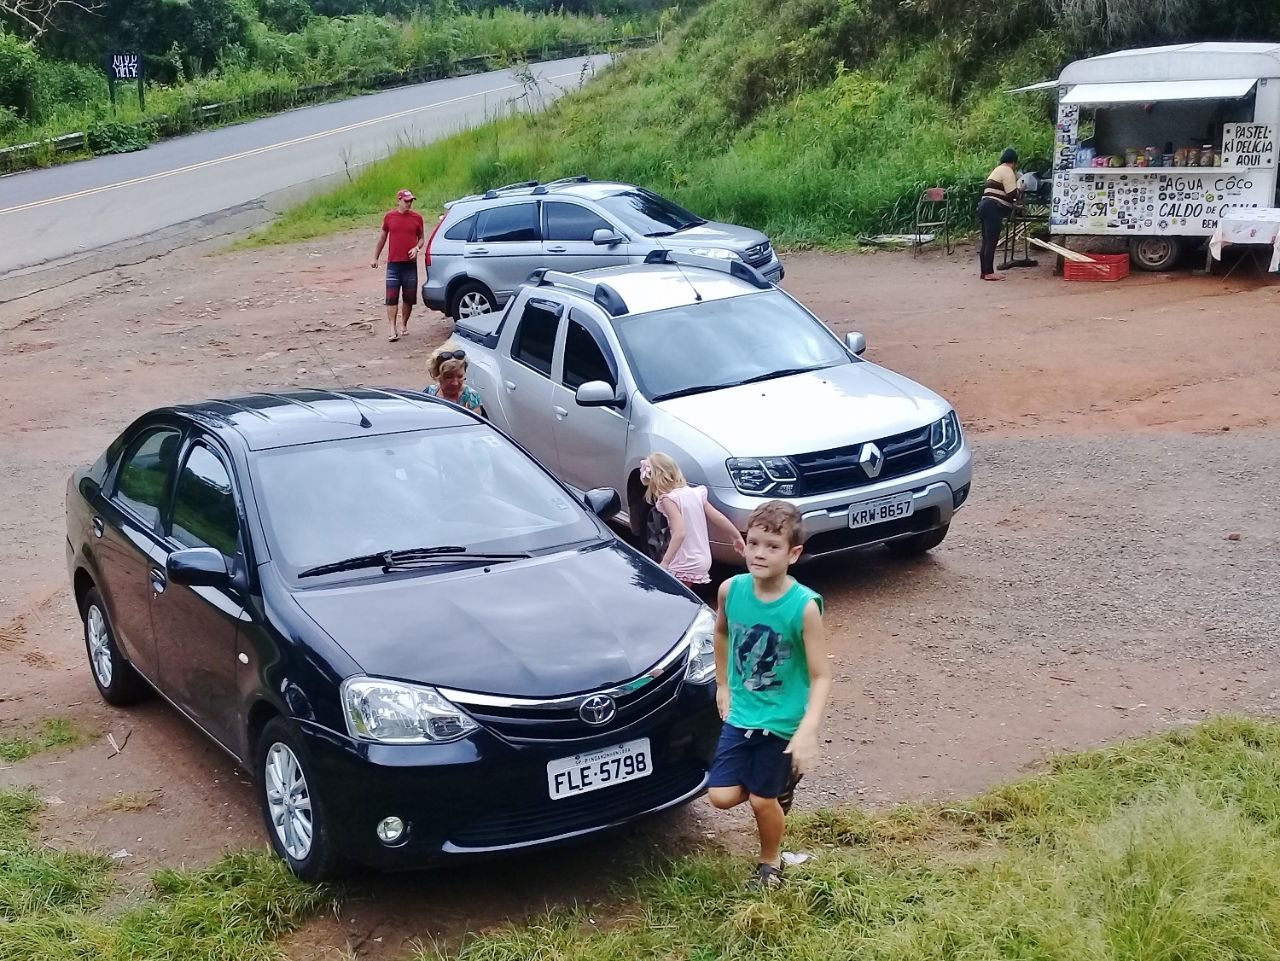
x=593, y=770
x=882, y=509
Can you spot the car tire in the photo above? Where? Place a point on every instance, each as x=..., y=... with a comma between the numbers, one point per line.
x=657, y=534
x=1155, y=254
x=116, y=679
x=295, y=816
x=471, y=298
x=918, y=544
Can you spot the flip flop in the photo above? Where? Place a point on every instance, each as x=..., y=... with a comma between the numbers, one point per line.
x=993, y=277
x=393, y=338
x=767, y=876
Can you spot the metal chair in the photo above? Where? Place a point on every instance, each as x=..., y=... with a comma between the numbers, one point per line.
x=934, y=202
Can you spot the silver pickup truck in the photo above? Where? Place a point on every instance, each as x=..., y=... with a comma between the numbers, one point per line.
x=751, y=393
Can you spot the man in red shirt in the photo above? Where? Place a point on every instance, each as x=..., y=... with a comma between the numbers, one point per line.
x=403, y=228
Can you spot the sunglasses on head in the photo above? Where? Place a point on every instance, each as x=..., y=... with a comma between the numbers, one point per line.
x=450, y=355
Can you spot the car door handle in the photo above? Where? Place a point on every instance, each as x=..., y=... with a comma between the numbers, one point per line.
x=98, y=527
x=479, y=250
x=556, y=250
x=561, y=413
x=509, y=384
x=158, y=579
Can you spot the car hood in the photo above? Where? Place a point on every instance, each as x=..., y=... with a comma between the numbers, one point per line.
x=834, y=407
x=712, y=234
x=551, y=626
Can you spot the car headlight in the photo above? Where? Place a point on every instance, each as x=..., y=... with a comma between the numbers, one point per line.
x=395, y=713
x=945, y=437
x=719, y=253
x=701, y=636
x=763, y=475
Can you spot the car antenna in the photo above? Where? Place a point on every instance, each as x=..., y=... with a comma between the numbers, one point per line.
x=337, y=381
x=697, y=297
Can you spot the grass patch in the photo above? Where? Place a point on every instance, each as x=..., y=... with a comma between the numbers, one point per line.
x=54, y=732
x=52, y=903
x=130, y=802
x=1166, y=849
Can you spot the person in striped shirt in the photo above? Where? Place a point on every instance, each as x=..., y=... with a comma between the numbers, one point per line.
x=999, y=194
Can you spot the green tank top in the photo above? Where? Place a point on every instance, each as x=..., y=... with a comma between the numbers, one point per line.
x=768, y=670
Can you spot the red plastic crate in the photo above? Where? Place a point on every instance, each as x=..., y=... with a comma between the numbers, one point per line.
x=1106, y=267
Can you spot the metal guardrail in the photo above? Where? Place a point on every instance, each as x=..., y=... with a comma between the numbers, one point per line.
x=211, y=112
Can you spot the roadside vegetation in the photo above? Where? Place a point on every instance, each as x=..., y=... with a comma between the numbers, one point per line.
x=52, y=733
x=259, y=55
x=1161, y=850
x=818, y=121
x=56, y=906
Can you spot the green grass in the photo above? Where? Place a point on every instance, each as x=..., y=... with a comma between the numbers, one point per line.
x=54, y=906
x=1165, y=849
x=53, y=732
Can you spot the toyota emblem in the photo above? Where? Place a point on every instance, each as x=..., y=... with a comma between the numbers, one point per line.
x=598, y=709
x=871, y=460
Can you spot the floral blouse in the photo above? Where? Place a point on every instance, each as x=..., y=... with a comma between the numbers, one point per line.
x=470, y=398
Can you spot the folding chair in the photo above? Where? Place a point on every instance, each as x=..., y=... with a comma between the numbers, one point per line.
x=934, y=202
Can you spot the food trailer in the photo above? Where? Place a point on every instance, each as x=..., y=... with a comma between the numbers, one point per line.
x=1154, y=144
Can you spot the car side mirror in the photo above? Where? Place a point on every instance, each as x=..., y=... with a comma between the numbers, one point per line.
x=604, y=502
x=603, y=237
x=198, y=567
x=596, y=393
x=856, y=342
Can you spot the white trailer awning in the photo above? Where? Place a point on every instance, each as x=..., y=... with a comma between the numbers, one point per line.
x=1151, y=91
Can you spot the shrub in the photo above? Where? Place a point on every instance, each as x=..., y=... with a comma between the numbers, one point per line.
x=118, y=136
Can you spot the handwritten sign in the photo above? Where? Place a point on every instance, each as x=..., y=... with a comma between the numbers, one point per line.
x=125, y=66
x=1248, y=145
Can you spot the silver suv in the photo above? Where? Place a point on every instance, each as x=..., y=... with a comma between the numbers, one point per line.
x=485, y=246
x=751, y=393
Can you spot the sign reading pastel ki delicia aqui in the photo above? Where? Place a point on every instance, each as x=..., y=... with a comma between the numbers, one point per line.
x=1248, y=144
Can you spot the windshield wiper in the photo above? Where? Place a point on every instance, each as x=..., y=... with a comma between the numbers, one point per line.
x=689, y=391
x=398, y=560
x=661, y=233
x=785, y=372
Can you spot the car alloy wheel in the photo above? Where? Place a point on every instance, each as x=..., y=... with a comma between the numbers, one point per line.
x=289, y=800
x=472, y=303
x=99, y=645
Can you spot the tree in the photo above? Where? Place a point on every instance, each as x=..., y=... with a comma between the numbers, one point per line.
x=37, y=16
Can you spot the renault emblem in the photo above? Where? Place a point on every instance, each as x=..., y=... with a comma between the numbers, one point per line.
x=871, y=460
x=598, y=709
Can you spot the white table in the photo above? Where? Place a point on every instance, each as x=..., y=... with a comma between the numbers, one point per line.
x=1259, y=226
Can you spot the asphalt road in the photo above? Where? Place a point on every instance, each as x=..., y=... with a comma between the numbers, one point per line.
x=69, y=212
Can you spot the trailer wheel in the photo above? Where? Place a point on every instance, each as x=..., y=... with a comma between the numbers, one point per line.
x=1155, y=253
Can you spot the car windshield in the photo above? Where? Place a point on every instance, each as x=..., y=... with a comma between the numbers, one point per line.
x=647, y=213
x=724, y=343
x=461, y=486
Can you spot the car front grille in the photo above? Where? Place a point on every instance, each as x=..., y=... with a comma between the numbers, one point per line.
x=838, y=469
x=522, y=821
x=759, y=255
x=534, y=722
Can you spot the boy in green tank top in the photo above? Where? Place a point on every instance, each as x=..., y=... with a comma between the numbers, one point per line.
x=772, y=681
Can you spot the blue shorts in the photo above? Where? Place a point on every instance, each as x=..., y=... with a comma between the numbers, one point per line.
x=751, y=759
x=402, y=275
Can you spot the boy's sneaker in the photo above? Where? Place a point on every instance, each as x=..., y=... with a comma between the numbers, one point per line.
x=788, y=795
x=767, y=876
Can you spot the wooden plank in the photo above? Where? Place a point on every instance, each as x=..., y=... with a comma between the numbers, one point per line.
x=1071, y=255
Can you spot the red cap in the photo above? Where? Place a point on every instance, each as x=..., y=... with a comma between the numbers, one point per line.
x=405, y=195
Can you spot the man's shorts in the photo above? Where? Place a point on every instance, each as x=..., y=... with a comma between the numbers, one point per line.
x=402, y=275
x=751, y=759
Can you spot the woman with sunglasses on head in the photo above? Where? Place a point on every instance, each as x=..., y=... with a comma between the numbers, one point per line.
x=448, y=368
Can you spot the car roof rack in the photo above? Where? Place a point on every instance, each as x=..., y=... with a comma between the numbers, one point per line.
x=603, y=295
x=734, y=268
x=575, y=179
x=497, y=191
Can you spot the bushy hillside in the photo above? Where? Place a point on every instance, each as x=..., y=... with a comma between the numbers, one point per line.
x=818, y=120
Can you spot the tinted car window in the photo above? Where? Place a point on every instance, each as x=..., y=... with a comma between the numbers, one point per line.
x=721, y=343
x=204, y=506
x=461, y=230
x=583, y=358
x=508, y=224
x=144, y=476
x=571, y=222
x=464, y=486
x=536, y=337
x=648, y=213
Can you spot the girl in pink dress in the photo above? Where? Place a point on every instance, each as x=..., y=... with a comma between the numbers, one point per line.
x=688, y=515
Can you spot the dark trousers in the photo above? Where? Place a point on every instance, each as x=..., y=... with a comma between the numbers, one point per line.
x=991, y=214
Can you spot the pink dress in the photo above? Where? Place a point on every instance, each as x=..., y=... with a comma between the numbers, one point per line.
x=692, y=563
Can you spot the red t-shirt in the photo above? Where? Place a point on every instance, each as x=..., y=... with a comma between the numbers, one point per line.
x=403, y=231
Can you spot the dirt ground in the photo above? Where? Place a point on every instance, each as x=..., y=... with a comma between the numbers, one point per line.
x=1115, y=572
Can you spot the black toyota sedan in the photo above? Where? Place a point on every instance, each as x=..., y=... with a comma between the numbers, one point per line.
x=416, y=639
